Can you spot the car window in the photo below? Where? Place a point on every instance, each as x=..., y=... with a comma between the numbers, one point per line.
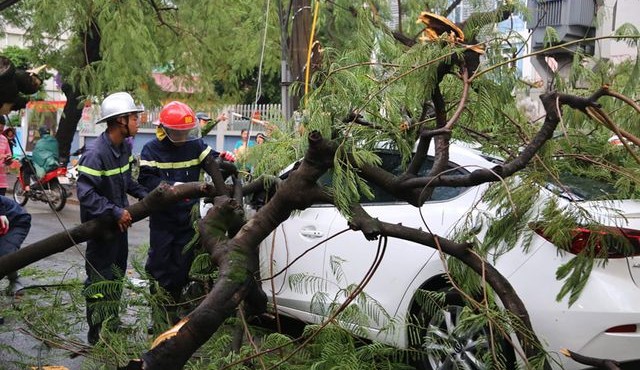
x=392, y=162
x=575, y=187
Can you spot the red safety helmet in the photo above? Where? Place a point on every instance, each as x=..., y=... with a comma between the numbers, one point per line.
x=177, y=116
x=179, y=122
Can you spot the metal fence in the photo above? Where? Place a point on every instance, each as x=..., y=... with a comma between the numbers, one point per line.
x=238, y=116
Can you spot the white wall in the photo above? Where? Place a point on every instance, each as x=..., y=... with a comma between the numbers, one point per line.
x=15, y=37
x=611, y=15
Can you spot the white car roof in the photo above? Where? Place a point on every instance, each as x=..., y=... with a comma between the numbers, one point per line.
x=460, y=153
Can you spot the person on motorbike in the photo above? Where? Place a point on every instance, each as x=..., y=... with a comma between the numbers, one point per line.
x=44, y=158
x=176, y=155
x=104, y=181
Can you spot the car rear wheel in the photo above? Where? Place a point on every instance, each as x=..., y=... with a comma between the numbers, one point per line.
x=444, y=344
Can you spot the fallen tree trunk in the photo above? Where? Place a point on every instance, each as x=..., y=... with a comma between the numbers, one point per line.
x=162, y=197
x=237, y=259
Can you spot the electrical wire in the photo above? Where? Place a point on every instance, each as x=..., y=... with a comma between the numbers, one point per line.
x=260, y=64
x=307, y=71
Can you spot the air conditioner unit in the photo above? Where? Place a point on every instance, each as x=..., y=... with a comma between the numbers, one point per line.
x=572, y=20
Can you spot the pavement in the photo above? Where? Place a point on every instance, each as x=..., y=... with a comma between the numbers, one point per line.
x=46, y=326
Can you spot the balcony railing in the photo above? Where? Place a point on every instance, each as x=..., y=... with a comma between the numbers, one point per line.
x=572, y=20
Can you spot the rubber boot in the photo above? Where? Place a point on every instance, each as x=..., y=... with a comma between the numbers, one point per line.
x=93, y=335
x=165, y=314
x=15, y=285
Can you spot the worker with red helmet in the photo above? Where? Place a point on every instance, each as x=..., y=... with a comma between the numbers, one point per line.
x=176, y=155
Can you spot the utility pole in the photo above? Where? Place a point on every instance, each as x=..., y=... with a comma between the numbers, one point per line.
x=294, y=48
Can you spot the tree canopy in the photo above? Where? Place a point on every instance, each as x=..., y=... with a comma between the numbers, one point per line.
x=372, y=84
x=219, y=44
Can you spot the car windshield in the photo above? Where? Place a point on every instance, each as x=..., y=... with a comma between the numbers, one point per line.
x=392, y=162
x=579, y=188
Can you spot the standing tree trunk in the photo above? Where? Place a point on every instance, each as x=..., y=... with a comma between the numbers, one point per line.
x=299, y=46
x=72, y=111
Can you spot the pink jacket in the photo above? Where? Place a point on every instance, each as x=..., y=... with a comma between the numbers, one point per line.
x=5, y=151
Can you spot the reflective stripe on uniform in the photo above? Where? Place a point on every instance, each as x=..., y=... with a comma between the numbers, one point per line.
x=115, y=171
x=177, y=165
x=94, y=172
x=204, y=153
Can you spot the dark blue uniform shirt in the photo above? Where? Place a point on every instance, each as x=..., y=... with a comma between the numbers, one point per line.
x=171, y=229
x=161, y=160
x=104, y=179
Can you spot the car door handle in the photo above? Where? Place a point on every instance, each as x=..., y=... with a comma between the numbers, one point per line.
x=311, y=233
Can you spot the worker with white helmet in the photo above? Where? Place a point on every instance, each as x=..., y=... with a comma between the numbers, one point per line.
x=104, y=181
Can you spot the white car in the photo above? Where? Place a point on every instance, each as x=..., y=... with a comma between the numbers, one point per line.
x=602, y=323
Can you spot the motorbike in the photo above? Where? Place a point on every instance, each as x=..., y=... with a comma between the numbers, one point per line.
x=48, y=189
x=72, y=167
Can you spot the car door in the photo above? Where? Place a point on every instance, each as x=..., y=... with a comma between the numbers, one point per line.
x=350, y=257
x=291, y=258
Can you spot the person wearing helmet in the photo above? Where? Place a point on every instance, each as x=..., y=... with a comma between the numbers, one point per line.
x=206, y=123
x=44, y=158
x=203, y=118
x=104, y=180
x=175, y=156
x=45, y=152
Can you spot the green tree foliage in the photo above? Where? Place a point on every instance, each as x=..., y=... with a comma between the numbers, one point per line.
x=212, y=47
x=21, y=57
x=392, y=89
x=392, y=94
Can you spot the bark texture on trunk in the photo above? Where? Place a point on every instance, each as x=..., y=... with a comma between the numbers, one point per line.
x=72, y=111
x=237, y=257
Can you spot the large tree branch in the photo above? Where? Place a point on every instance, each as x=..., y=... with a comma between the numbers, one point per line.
x=237, y=266
x=161, y=198
x=373, y=228
x=409, y=187
x=552, y=103
x=72, y=111
x=237, y=257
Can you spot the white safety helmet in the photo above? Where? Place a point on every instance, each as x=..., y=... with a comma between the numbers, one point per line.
x=117, y=104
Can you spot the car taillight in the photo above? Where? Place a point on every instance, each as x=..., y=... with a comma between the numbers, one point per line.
x=619, y=242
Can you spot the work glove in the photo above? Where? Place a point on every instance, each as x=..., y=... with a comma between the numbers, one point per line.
x=4, y=225
x=227, y=156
